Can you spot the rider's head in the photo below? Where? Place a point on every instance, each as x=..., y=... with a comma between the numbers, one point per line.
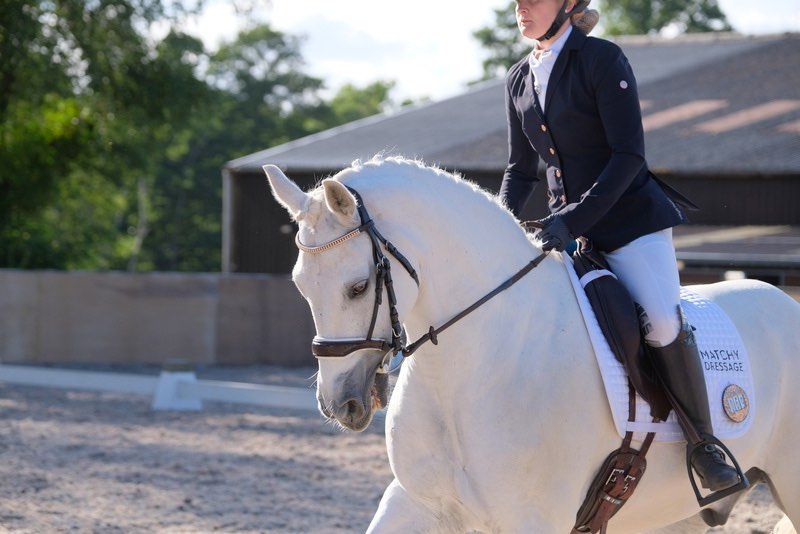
x=544, y=20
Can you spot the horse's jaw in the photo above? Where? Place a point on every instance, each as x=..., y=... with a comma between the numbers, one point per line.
x=351, y=398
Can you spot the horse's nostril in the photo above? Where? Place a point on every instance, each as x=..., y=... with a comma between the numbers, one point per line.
x=354, y=409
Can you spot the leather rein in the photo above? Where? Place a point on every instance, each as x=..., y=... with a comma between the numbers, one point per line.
x=337, y=348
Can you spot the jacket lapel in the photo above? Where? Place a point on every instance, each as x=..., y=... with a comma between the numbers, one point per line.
x=529, y=95
x=574, y=42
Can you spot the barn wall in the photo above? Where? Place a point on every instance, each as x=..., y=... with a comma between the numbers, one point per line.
x=262, y=234
x=741, y=200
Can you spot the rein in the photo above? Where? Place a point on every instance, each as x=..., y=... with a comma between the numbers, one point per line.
x=432, y=334
x=337, y=348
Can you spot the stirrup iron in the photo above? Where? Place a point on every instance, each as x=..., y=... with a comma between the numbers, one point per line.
x=721, y=494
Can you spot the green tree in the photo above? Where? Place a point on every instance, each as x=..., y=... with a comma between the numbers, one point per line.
x=111, y=145
x=504, y=46
x=633, y=17
x=353, y=103
x=260, y=98
x=502, y=41
x=79, y=91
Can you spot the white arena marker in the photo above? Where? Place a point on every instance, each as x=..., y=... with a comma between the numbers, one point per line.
x=167, y=395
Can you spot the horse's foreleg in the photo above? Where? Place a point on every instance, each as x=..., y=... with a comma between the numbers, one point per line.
x=399, y=513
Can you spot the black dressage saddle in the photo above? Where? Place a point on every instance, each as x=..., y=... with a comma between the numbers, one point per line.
x=616, y=313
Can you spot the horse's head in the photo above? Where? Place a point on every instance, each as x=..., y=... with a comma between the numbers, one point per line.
x=341, y=271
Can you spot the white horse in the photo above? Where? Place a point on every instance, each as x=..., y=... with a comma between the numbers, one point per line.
x=501, y=426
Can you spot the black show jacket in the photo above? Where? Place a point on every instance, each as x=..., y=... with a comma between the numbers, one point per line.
x=592, y=144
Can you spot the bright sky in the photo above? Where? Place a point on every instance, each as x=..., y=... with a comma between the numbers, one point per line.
x=426, y=46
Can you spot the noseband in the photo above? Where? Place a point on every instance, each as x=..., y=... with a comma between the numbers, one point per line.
x=338, y=348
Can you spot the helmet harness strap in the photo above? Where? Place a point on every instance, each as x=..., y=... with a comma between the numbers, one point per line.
x=561, y=17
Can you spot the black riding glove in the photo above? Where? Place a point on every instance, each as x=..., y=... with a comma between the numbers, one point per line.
x=554, y=234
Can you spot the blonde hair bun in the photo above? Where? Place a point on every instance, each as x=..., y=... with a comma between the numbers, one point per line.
x=584, y=19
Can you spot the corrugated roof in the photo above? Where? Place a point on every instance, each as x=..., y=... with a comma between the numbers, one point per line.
x=759, y=89
x=711, y=103
x=415, y=131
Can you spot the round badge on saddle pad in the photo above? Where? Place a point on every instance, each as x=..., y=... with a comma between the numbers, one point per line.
x=735, y=403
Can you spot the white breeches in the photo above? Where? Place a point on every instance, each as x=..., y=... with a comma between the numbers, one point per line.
x=648, y=269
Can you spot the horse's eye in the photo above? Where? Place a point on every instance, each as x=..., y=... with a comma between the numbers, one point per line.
x=358, y=289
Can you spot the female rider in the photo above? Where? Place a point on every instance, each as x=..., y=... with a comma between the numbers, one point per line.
x=573, y=103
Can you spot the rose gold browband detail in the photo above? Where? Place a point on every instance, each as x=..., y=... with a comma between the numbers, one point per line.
x=330, y=244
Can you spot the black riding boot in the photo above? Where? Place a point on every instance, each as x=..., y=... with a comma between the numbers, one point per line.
x=679, y=366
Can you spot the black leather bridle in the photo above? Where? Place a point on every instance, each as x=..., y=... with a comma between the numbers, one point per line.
x=338, y=348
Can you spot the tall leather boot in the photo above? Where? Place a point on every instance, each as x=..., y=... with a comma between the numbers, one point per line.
x=680, y=368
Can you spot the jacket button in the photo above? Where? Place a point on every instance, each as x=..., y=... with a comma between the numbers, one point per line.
x=552, y=151
x=544, y=128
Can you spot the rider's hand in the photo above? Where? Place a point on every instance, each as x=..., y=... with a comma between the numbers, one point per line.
x=554, y=234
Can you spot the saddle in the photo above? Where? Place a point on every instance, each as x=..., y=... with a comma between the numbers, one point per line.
x=618, y=319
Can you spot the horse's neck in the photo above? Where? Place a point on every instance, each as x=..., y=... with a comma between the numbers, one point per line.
x=466, y=248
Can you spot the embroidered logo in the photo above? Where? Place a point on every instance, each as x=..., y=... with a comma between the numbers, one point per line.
x=735, y=403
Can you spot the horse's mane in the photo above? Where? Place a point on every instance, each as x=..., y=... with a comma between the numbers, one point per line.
x=415, y=169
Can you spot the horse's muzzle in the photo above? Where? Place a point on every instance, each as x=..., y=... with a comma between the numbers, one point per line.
x=356, y=413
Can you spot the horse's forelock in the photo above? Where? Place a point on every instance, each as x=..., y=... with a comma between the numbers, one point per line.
x=314, y=208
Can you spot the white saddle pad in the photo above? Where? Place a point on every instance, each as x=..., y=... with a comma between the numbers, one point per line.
x=729, y=381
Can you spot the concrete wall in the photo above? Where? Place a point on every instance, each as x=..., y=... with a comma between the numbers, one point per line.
x=108, y=318
x=222, y=319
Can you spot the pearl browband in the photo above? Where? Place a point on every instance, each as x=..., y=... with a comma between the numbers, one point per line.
x=330, y=244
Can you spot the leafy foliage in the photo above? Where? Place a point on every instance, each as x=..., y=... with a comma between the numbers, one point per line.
x=629, y=17
x=111, y=145
x=503, y=42
x=617, y=17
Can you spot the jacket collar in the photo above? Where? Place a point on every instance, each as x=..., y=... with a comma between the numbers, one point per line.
x=575, y=41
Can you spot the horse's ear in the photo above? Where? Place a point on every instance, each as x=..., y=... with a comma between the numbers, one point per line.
x=286, y=192
x=340, y=201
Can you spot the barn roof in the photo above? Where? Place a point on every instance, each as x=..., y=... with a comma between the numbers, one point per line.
x=711, y=103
